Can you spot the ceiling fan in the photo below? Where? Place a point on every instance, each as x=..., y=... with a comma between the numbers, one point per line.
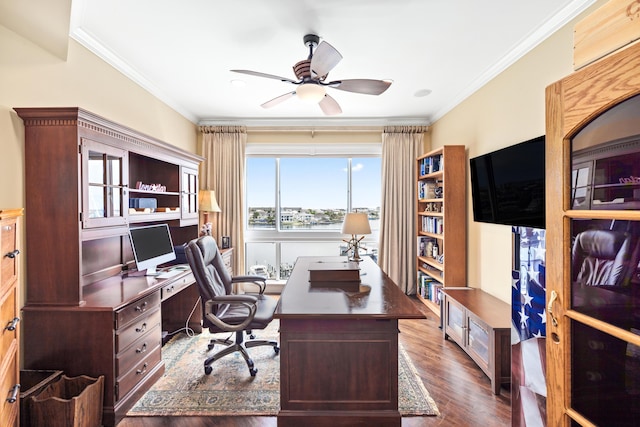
x=312, y=73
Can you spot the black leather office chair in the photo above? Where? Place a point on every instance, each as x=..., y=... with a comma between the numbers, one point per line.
x=224, y=311
x=604, y=258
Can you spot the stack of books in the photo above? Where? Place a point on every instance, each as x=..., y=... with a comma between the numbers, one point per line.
x=343, y=275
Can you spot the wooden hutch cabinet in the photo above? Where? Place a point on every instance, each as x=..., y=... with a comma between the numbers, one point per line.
x=9, y=318
x=86, y=310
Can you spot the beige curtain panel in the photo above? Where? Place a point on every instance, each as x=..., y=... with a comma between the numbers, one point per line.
x=223, y=148
x=401, y=145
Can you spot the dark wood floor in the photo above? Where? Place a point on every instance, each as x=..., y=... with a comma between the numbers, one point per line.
x=460, y=389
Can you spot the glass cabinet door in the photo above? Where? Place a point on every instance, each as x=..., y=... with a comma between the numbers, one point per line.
x=104, y=188
x=478, y=340
x=454, y=321
x=593, y=295
x=189, y=190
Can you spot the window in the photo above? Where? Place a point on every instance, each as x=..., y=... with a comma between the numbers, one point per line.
x=296, y=203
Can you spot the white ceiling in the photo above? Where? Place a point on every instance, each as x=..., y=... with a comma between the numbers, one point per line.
x=183, y=51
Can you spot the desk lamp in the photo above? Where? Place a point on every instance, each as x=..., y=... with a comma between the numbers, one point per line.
x=355, y=223
x=208, y=203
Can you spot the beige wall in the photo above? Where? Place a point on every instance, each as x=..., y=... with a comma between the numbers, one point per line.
x=508, y=110
x=33, y=77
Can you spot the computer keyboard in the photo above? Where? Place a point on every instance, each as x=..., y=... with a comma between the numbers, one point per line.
x=168, y=274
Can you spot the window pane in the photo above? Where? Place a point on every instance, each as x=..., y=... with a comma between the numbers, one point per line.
x=366, y=188
x=261, y=259
x=313, y=193
x=261, y=192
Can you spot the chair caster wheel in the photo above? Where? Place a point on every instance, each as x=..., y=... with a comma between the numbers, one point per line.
x=253, y=371
x=276, y=349
x=208, y=370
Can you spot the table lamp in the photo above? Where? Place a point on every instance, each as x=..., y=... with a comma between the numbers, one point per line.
x=355, y=223
x=208, y=203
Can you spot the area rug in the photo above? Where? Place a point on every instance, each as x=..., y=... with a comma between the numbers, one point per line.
x=185, y=390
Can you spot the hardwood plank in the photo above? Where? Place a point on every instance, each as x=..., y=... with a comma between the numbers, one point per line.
x=460, y=389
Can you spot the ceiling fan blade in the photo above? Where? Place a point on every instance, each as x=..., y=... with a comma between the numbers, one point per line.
x=329, y=106
x=268, y=76
x=277, y=100
x=366, y=86
x=324, y=59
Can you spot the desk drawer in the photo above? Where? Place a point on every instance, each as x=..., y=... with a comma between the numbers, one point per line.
x=137, y=309
x=7, y=314
x=135, y=353
x=139, y=328
x=176, y=286
x=138, y=373
x=8, y=379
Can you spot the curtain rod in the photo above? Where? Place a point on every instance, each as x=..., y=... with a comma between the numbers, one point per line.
x=323, y=129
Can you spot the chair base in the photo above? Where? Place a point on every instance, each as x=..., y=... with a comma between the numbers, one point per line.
x=240, y=346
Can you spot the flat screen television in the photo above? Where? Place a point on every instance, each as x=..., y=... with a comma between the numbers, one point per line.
x=152, y=246
x=507, y=185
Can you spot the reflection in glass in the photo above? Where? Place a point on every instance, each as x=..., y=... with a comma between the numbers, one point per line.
x=605, y=377
x=605, y=159
x=604, y=269
x=105, y=185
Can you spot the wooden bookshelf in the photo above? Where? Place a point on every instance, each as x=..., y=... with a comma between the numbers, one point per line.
x=441, y=210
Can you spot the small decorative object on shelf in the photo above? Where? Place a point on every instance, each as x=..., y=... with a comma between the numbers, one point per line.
x=226, y=242
x=151, y=187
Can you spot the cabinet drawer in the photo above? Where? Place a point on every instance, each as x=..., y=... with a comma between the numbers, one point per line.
x=135, y=353
x=137, y=309
x=7, y=314
x=141, y=327
x=137, y=373
x=176, y=286
x=8, y=265
x=8, y=379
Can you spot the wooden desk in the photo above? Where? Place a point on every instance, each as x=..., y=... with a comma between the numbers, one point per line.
x=116, y=332
x=339, y=353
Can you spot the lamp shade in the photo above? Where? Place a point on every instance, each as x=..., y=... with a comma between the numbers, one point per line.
x=356, y=223
x=207, y=201
x=311, y=92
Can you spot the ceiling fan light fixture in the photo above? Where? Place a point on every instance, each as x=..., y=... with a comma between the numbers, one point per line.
x=311, y=92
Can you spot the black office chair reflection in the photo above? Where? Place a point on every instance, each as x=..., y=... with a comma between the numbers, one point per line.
x=604, y=258
x=224, y=311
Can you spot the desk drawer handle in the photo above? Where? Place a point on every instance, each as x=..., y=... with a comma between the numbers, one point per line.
x=142, y=307
x=142, y=328
x=170, y=289
x=143, y=370
x=13, y=253
x=142, y=349
x=11, y=326
x=13, y=397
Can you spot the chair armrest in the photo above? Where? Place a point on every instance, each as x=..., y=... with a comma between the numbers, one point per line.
x=235, y=298
x=249, y=301
x=258, y=281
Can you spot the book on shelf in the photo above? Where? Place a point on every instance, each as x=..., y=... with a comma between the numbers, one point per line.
x=429, y=288
x=424, y=249
x=433, y=225
x=431, y=164
x=426, y=190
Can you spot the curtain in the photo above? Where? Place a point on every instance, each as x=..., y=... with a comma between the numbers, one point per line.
x=222, y=171
x=401, y=145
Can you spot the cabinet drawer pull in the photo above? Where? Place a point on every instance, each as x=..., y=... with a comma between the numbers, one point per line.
x=13, y=397
x=13, y=254
x=142, y=307
x=143, y=370
x=142, y=328
x=7, y=228
x=170, y=289
x=11, y=326
x=142, y=349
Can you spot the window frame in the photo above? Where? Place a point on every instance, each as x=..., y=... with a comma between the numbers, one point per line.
x=289, y=150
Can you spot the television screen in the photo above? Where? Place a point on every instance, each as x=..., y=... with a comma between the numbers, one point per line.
x=507, y=185
x=152, y=246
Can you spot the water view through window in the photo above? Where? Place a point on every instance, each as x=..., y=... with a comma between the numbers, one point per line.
x=296, y=206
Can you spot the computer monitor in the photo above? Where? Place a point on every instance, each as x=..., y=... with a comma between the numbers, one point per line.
x=152, y=246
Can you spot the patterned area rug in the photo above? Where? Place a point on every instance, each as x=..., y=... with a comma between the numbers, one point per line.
x=230, y=390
